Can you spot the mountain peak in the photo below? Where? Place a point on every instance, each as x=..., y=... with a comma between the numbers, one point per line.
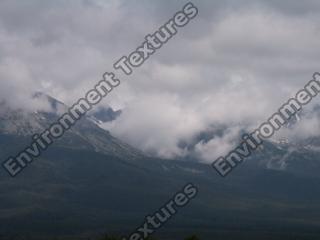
x=86, y=134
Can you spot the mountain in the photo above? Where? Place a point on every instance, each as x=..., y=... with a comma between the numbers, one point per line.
x=89, y=183
x=297, y=155
x=84, y=135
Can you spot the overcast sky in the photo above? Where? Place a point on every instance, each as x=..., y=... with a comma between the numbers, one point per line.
x=234, y=64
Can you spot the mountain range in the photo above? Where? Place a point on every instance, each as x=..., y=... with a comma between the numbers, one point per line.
x=89, y=183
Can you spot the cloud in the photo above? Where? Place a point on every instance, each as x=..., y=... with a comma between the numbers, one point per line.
x=235, y=64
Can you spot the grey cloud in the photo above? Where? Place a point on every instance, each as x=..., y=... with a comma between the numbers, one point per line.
x=234, y=64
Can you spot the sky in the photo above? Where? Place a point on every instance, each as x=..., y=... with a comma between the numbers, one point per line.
x=235, y=64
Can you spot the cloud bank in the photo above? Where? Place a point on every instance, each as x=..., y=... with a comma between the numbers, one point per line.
x=234, y=65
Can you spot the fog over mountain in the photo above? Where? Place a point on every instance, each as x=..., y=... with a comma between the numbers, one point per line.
x=222, y=75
